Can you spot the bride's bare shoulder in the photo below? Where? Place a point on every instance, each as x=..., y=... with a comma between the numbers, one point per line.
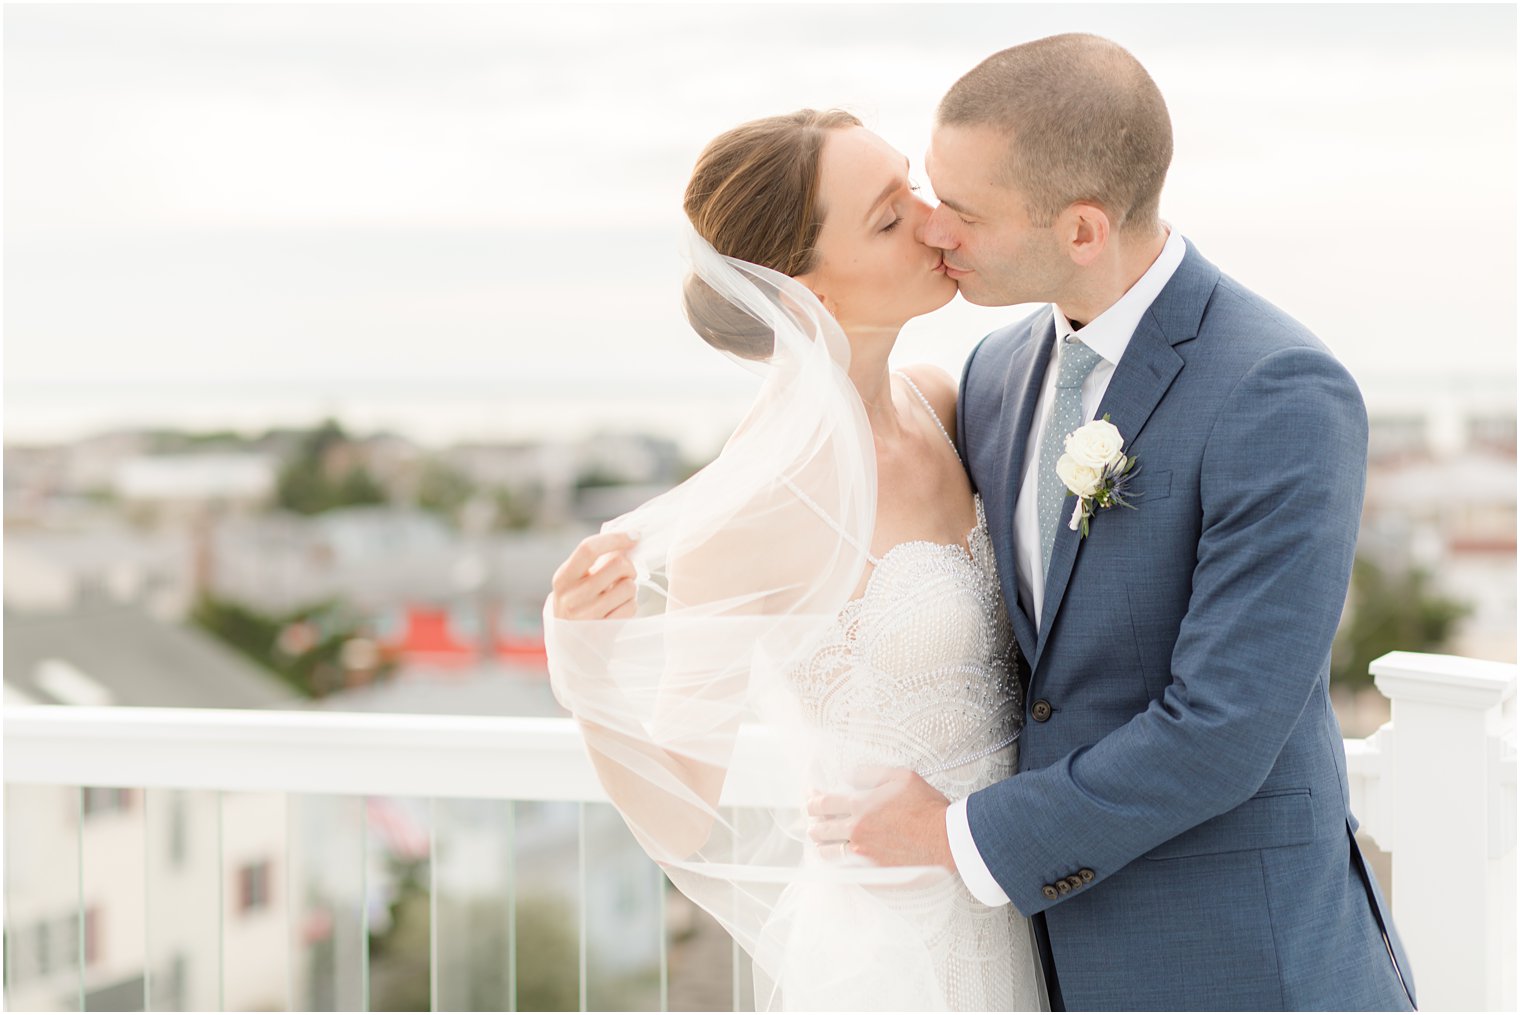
x=938, y=387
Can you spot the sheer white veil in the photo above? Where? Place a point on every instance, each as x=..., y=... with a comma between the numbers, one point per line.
x=742, y=572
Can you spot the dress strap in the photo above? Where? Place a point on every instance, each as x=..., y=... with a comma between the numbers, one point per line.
x=932, y=414
x=829, y=521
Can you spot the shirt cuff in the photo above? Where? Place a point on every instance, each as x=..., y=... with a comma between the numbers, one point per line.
x=968, y=859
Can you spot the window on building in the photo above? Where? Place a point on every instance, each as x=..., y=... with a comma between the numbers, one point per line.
x=253, y=887
x=42, y=948
x=91, y=936
x=55, y=945
x=106, y=800
x=179, y=830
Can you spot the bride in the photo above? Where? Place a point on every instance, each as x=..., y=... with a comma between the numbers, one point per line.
x=817, y=604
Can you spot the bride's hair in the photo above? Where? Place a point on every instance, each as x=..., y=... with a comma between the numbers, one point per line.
x=754, y=195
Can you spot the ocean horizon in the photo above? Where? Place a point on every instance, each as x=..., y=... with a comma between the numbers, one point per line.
x=697, y=411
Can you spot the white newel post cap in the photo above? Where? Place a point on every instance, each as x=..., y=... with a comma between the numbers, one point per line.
x=1455, y=681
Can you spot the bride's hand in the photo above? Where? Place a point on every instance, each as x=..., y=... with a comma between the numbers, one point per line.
x=596, y=582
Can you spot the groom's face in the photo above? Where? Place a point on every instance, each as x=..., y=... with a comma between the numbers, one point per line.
x=992, y=249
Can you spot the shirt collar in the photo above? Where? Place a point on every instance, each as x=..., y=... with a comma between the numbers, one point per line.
x=1109, y=333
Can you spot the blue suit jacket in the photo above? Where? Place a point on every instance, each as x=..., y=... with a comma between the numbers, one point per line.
x=1181, y=814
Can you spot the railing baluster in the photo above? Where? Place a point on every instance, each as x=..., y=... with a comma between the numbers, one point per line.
x=734, y=955
x=581, y=881
x=659, y=873
x=221, y=908
x=147, y=908
x=432, y=903
x=10, y=958
x=79, y=870
x=291, y=921
x=8, y=1003
x=512, y=905
x=363, y=903
x=733, y=821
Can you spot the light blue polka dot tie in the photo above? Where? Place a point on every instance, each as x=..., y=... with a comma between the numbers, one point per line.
x=1076, y=362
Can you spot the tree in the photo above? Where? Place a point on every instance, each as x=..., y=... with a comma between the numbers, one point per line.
x=518, y=508
x=307, y=484
x=312, y=664
x=546, y=951
x=1390, y=612
x=443, y=489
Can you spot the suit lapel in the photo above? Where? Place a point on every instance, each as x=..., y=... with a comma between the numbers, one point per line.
x=1145, y=372
x=1026, y=374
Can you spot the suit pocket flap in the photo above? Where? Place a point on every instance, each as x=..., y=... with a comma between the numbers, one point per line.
x=1152, y=485
x=1279, y=817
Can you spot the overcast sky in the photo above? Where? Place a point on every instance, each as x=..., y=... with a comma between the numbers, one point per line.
x=245, y=213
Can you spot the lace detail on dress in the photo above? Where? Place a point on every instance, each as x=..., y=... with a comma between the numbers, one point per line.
x=920, y=673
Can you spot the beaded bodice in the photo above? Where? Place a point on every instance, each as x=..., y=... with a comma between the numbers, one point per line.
x=919, y=672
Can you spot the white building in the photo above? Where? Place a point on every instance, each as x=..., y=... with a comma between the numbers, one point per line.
x=125, y=859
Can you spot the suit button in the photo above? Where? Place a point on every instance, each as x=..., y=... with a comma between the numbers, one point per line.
x=1050, y=891
x=1063, y=886
x=1040, y=710
x=1086, y=874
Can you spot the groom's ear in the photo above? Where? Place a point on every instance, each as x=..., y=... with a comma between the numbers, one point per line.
x=1086, y=231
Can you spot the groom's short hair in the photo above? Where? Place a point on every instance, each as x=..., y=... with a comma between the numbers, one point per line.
x=1085, y=122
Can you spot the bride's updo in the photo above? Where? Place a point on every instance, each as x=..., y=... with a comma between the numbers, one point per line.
x=754, y=195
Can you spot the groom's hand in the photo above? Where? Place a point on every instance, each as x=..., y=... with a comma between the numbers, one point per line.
x=899, y=822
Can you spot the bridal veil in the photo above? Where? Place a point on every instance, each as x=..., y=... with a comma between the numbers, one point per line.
x=741, y=573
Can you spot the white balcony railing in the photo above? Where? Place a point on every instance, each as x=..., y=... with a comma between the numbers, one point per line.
x=1435, y=787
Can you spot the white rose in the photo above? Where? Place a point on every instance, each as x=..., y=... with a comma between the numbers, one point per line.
x=1096, y=445
x=1080, y=479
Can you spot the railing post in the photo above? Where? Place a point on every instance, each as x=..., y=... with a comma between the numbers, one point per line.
x=1453, y=886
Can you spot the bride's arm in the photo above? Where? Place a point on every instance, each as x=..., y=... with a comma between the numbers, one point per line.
x=670, y=824
x=661, y=745
x=734, y=586
x=669, y=798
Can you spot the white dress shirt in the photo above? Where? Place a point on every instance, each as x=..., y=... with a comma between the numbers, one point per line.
x=1108, y=335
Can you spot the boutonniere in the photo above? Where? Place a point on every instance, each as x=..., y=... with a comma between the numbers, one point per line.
x=1096, y=470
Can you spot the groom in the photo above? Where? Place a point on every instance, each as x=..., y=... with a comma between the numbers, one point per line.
x=1179, y=828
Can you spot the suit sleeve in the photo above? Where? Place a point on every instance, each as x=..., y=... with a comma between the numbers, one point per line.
x=1281, y=485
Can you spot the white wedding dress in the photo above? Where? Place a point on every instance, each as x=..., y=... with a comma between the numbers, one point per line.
x=919, y=674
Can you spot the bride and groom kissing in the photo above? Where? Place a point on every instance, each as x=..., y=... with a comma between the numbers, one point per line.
x=1081, y=758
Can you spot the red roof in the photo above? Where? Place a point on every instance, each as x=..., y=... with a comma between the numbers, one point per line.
x=429, y=637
